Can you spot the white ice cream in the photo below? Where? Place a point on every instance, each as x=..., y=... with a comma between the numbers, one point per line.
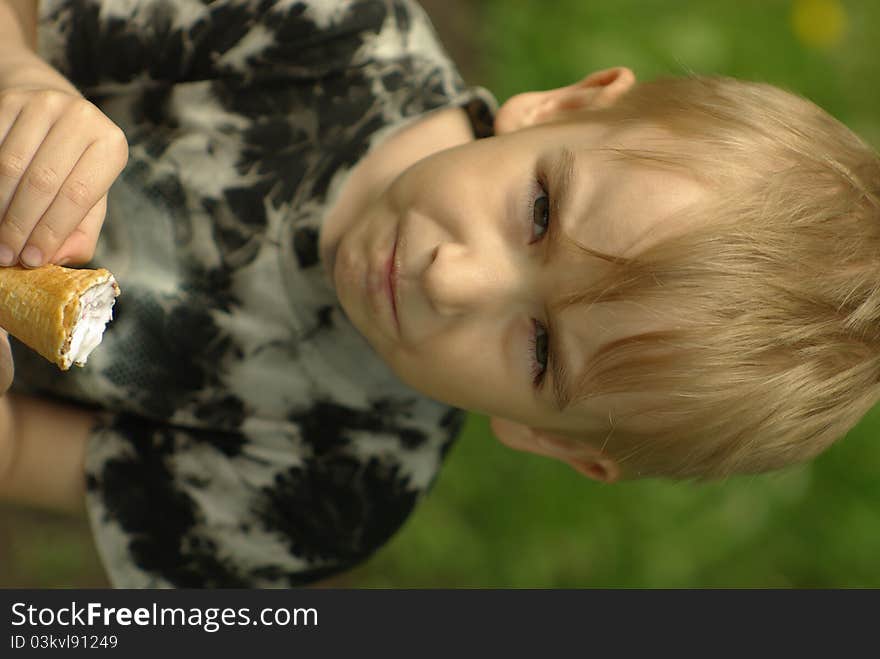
x=95, y=311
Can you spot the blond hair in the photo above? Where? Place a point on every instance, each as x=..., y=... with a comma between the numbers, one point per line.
x=773, y=289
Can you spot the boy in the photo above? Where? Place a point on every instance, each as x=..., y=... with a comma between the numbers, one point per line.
x=320, y=238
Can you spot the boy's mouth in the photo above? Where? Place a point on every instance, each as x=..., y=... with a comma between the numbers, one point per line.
x=392, y=281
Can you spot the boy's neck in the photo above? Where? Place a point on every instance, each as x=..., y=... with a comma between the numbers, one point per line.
x=439, y=130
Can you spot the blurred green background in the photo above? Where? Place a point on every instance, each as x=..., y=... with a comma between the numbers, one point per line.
x=500, y=518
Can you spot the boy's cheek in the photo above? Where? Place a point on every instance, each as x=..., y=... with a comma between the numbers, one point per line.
x=450, y=177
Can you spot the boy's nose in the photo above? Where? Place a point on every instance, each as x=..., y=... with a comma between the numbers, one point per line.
x=458, y=281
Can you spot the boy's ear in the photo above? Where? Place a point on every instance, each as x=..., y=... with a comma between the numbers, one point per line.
x=580, y=456
x=597, y=90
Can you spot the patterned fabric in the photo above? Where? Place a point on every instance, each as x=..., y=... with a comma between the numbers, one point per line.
x=249, y=435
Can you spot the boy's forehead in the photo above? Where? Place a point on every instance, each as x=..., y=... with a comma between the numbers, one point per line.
x=620, y=205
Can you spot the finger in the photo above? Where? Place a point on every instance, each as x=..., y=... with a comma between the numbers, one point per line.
x=84, y=187
x=80, y=245
x=7, y=366
x=8, y=116
x=50, y=175
x=16, y=152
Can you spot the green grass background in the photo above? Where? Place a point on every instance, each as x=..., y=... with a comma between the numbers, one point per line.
x=501, y=518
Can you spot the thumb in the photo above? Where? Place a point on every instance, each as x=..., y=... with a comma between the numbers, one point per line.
x=80, y=245
x=7, y=367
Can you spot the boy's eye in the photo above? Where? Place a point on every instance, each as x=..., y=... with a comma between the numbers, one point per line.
x=541, y=213
x=538, y=341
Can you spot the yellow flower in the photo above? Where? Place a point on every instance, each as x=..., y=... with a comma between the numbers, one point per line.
x=819, y=23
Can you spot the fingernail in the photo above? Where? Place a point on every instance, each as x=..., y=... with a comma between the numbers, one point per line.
x=6, y=255
x=32, y=257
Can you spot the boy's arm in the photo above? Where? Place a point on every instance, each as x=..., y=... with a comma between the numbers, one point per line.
x=42, y=443
x=19, y=62
x=18, y=23
x=42, y=453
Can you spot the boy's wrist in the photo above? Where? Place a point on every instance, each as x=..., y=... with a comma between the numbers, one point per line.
x=18, y=23
x=21, y=68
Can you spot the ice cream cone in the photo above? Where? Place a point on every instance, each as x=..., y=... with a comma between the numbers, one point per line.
x=59, y=312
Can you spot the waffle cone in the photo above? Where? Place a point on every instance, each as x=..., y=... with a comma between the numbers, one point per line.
x=41, y=306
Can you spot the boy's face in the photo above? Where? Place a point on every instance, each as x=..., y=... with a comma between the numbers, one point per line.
x=471, y=228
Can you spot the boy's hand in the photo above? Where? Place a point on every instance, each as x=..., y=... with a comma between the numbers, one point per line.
x=59, y=154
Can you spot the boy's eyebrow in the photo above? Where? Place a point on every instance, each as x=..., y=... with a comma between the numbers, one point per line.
x=558, y=367
x=561, y=178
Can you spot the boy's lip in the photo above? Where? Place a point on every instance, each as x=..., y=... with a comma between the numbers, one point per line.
x=392, y=272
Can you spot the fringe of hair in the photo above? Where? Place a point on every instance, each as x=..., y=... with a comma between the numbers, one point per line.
x=771, y=295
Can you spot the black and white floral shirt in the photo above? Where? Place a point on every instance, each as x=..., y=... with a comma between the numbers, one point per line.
x=249, y=435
